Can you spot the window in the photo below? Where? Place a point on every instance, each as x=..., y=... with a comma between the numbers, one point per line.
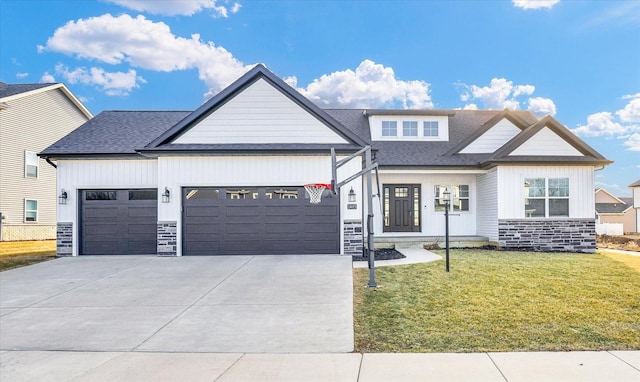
x=202, y=193
x=546, y=197
x=242, y=194
x=459, y=197
x=143, y=194
x=101, y=195
x=430, y=129
x=389, y=128
x=410, y=128
x=281, y=193
x=30, y=164
x=30, y=210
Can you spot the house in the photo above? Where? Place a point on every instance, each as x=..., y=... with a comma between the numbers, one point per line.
x=613, y=210
x=635, y=187
x=228, y=177
x=32, y=117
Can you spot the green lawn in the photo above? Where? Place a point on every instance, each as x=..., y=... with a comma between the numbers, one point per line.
x=500, y=301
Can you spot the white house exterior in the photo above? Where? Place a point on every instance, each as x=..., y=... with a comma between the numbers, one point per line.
x=227, y=178
x=635, y=187
x=32, y=117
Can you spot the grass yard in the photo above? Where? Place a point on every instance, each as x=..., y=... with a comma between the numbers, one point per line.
x=14, y=254
x=500, y=301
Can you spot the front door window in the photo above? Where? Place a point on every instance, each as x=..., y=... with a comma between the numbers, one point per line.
x=401, y=208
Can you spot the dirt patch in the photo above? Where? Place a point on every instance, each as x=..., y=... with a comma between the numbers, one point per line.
x=624, y=243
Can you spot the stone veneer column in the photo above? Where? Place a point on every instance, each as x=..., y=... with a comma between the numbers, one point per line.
x=353, y=237
x=551, y=235
x=167, y=239
x=64, y=239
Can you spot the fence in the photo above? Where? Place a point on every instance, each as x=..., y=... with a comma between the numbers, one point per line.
x=610, y=229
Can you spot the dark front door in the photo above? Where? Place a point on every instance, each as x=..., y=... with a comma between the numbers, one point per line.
x=402, y=208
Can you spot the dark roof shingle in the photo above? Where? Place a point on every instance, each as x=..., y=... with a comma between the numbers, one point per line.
x=7, y=90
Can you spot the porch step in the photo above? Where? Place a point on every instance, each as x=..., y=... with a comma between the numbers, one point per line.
x=421, y=241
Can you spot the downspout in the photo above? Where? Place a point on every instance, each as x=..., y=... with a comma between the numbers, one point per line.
x=50, y=162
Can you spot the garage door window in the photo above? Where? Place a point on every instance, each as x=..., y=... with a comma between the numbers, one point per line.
x=202, y=193
x=281, y=193
x=244, y=193
x=101, y=195
x=143, y=195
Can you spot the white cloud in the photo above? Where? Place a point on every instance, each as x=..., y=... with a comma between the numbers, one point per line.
x=623, y=124
x=47, y=78
x=21, y=75
x=145, y=44
x=179, y=7
x=599, y=124
x=631, y=112
x=542, y=106
x=534, y=4
x=502, y=93
x=112, y=83
x=633, y=143
x=370, y=85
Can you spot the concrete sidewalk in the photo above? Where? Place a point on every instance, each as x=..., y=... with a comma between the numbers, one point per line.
x=142, y=366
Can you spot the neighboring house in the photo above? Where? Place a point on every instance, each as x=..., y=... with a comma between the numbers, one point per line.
x=635, y=187
x=32, y=117
x=613, y=210
x=227, y=178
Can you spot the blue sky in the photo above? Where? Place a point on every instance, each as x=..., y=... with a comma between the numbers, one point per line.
x=576, y=60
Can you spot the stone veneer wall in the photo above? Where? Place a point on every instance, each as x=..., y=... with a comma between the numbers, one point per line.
x=167, y=239
x=353, y=237
x=64, y=239
x=552, y=235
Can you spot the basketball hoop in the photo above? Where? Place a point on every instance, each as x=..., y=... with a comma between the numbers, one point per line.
x=315, y=191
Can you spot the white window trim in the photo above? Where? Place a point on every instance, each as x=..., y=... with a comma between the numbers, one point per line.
x=37, y=210
x=26, y=164
x=451, y=187
x=377, y=121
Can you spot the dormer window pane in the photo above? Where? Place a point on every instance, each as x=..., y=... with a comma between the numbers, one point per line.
x=430, y=128
x=389, y=128
x=410, y=128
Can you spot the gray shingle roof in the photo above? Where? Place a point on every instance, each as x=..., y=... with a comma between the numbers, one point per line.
x=611, y=208
x=635, y=184
x=7, y=90
x=116, y=132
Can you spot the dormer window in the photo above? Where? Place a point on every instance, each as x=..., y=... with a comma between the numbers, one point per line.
x=430, y=128
x=389, y=128
x=410, y=128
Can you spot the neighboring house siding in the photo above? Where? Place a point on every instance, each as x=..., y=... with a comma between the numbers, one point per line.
x=32, y=123
x=546, y=143
x=277, y=119
x=511, y=189
x=75, y=175
x=493, y=139
x=488, y=205
x=605, y=197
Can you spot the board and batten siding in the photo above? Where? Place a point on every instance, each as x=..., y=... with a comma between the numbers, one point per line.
x=487, y=217
x=32, y=123
x=260, y=114
x=247, y=171
x=546, y=143
x=432, y=222
x=511, y=193
x=493, y=139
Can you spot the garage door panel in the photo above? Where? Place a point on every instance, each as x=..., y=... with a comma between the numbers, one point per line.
x=107, y=247
x=264, y=224
x=101, y=213
x=142, y=212
x=101, y=229
x=135, y=229
x=202, y=211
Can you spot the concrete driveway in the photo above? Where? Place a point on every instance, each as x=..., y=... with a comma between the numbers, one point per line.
x=238, y=304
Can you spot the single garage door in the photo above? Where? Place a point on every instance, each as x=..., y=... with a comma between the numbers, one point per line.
x=258, y=221
x=118, y=222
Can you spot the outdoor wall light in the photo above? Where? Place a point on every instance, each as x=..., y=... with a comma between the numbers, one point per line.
x=166, y=196
x=62, y=199
x=352, y=196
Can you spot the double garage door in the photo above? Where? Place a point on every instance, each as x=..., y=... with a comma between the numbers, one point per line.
x=258, y=220
x=215, y=221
